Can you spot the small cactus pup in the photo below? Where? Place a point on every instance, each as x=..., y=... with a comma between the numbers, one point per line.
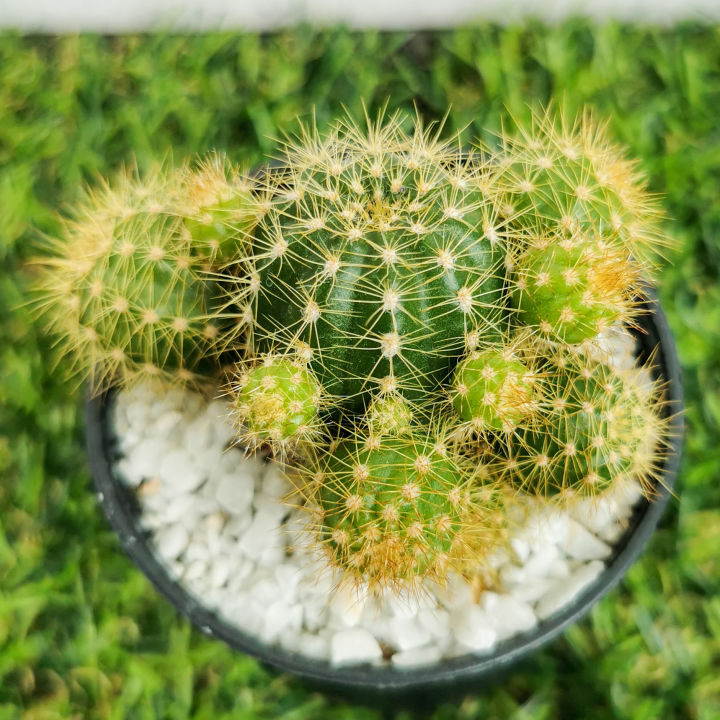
x=394, y=511
x=221, y=206
x=380, y=254
x=568, y=176
x=605, y=427
x=125, y=291
x=275, y=402
x=569, y=289
x=496, y=388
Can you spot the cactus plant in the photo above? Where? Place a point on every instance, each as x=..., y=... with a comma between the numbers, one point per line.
x=406, y=309
x=589, y=236
x=380, y=254
x=603, y=427
x=496, y=388
x=568, y=176
x=395, y=510
x=276, y=402
x=126, y=289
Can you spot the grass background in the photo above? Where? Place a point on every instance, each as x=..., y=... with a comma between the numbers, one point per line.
x=82, y=633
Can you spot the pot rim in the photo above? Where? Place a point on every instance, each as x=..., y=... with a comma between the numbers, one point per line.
x=119, y=507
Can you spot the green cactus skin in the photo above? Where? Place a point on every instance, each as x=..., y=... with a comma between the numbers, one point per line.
x=381, y=256
x=569, y=177
x=603, y=429
x=393, y=509
x=276, y=402
x=570, y=290
x=493, y=390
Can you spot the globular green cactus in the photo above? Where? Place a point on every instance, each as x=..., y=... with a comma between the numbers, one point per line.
x=393, y=511
x=275, y=402
x=569, y=177
x=127, y=290
x=380, y=254
x=497, y=388
x=603, y=427
x=570, y=289
x=587, y=233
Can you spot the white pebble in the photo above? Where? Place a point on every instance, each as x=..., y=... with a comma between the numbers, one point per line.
x=235, y=492
x=408, y=634
x=177, y=471
x=172, y=541
x=220, y=571
x=508, y=614
x=255, y=539
x=583, y=545
x=354, y=646
x=473, y=628
x=143, y=461
x=435, y=620
x=313, y=646
x=281, y=618
x=347, y=605
x=416, y=656
x=564, y=591
x=275, y=483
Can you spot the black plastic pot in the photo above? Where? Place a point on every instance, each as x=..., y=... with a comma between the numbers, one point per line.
x=366, y=681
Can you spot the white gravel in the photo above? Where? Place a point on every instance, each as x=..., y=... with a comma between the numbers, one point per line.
x=218, y=521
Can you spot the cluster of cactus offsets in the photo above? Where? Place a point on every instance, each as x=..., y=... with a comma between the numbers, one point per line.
x=128, y=290
x=591, y=232
x=416, y=324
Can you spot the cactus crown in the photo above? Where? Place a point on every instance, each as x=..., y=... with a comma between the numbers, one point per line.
x=568, y=175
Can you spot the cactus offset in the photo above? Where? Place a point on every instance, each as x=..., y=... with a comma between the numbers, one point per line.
x=496, y=388
x=604, y=427
x=573, y=288
x=380, y=255
x=569, y=177
x=127, y=289
x=396, y=510
x=275, y=402
x=219, y=207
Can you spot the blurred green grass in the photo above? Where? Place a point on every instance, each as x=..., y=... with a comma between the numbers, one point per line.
x=82, y=633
